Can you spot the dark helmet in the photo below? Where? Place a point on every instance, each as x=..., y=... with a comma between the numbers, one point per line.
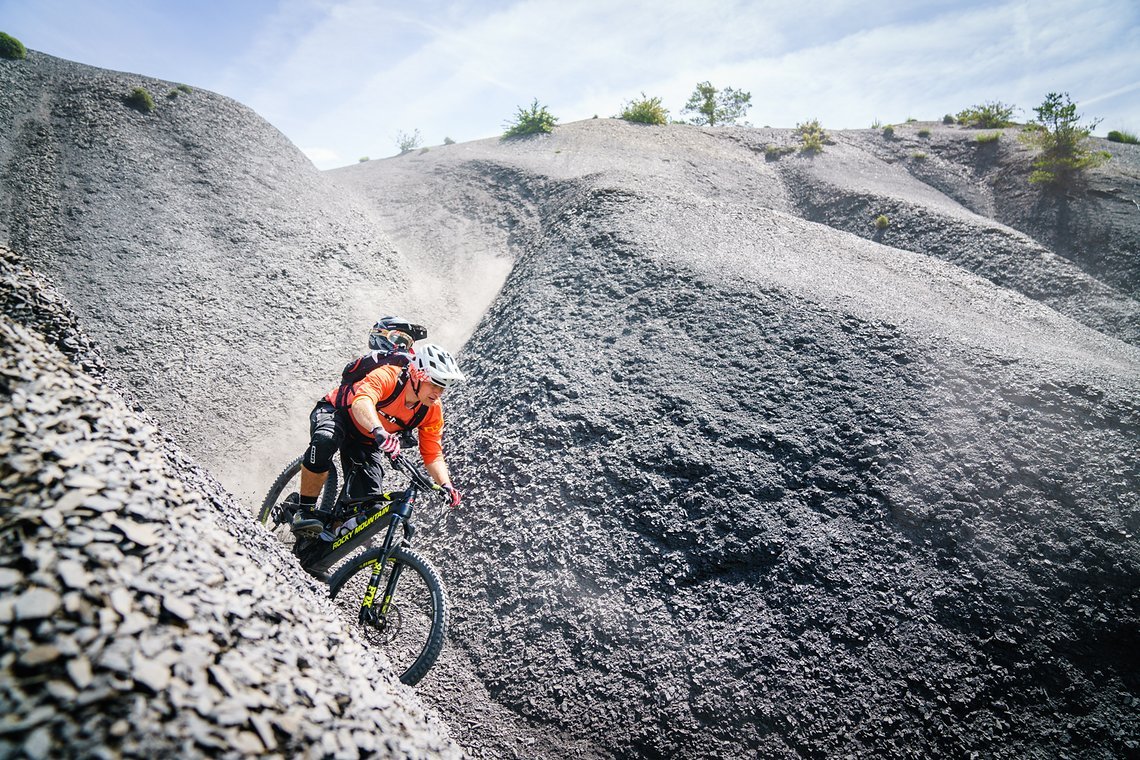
x=397, y=331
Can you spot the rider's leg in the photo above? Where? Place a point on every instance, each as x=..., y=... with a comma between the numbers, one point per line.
x=326, y=432
x=367, y=465
x=312, y=483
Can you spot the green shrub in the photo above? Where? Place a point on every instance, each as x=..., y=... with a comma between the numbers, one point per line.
x=918, y=156
x=911, y=120
x=776, y=152
x=1120, y=136
x=988, y=138
x=888, y=132
x=947, y=119
x=988, y=115
x=1061, y=141
x=11, y=48
x=448, y=141
x=924, y=133
x=407, y=143
x=812, y=136
x=140, y=100
x=185, y=88
x=881, y=222
x=531, y=121
x=362, y=159
x=645, y=110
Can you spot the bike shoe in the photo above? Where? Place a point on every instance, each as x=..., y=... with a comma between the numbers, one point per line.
x=307, y=523
x=287, y=509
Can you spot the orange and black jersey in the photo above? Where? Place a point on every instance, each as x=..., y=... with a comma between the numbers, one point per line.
x=378, y=385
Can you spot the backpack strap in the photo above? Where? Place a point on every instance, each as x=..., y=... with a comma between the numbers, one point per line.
x=401, y=383
x=417, y=416
x=344, y=393
x=413, y=423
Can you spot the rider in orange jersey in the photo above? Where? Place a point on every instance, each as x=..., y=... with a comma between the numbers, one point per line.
x=366, y=424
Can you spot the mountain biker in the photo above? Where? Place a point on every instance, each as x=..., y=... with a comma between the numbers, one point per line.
x=366, y=423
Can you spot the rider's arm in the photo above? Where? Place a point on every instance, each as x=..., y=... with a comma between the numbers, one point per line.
x=437, y=468
x=364, y=413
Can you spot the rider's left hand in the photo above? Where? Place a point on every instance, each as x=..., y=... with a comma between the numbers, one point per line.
x=453, y=492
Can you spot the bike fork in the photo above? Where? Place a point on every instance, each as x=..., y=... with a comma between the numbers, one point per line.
x=369, y=611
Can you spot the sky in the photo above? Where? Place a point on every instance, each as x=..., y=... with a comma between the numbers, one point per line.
x=345, y=79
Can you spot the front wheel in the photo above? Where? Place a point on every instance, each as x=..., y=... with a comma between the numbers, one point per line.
x=405, y=613
x=273, y=517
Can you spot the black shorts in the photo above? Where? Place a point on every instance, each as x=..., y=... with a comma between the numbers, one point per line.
x=331, y=429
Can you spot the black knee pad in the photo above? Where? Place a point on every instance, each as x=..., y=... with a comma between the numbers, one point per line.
x=324, y=441
x=319, y=455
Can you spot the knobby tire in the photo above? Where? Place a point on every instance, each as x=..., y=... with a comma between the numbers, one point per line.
x=418, y=622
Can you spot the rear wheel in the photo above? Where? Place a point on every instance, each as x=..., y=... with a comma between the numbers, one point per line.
x=412, y=630
x=276, y=519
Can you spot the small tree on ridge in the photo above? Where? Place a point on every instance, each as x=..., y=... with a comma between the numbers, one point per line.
x=713, y=106
x=1062, y=141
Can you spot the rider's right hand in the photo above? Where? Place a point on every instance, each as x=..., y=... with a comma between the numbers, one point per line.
x=388, y=443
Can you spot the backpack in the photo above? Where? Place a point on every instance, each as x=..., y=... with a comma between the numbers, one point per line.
x=356, y=369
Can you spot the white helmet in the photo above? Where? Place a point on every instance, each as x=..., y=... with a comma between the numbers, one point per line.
x=437, y=365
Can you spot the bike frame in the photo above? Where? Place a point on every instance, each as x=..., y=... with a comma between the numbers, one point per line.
x=393, y=510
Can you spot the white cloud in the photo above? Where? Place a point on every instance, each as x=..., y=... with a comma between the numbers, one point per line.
x=323, y=157
x=351, y=73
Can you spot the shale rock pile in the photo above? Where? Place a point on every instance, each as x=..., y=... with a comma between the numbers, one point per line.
x=743, y=482
x=142, y=615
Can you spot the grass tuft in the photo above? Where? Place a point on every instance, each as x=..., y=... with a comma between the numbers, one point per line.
x=776, y=152
x=812, y=137
x=140, y=99
x=644, y=110
x=988, y=115
x=11, y=48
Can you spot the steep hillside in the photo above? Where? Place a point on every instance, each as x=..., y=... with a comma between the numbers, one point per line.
x=141, y=616
x=203, y=250
x=745, y=482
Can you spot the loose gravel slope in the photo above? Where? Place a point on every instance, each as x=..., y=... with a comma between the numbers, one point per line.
x=742, y=482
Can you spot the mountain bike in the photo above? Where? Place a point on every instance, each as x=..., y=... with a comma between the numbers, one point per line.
x=402, y=604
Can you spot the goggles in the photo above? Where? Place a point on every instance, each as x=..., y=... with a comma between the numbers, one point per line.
x=400, y=340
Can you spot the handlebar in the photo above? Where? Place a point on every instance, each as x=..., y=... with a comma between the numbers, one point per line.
x=403, y=464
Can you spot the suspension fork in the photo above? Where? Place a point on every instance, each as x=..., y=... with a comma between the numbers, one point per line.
x=368, y=606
